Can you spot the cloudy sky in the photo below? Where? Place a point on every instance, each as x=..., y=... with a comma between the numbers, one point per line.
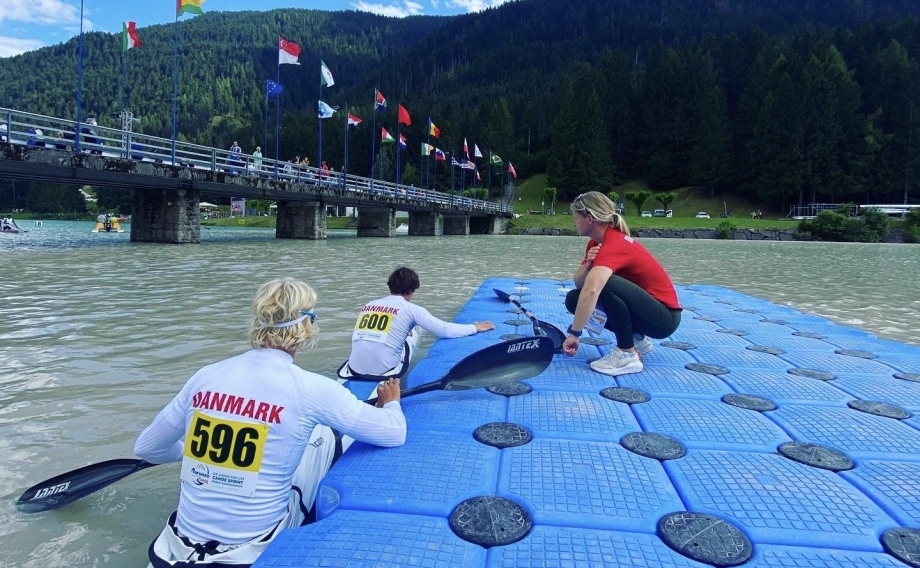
x=31, y=24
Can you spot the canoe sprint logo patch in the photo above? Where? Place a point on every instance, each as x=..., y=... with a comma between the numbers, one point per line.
x=53, y=490
x=202, y=474
x=524, y=345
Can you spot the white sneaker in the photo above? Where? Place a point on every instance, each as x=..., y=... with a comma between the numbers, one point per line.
x=642, y=344
x=618, y=362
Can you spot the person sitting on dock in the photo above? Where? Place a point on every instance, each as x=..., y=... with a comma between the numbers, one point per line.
x=255, y=435
x=635, y=293
x=387, y=331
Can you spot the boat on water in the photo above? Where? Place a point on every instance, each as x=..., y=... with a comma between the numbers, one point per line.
x=402, y=229
x=109, y=226
x=11, y=230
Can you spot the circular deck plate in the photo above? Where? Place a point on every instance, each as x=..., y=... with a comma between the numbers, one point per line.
x=595, y=341
x=914, y=377
x=490, y=521
x=765, y=349
x=514, y=388
x=738, y=332
x=816, y=456
x=812, y=374
x=625, y=394
x=517, y=322
x=502, y=435
x=706, y=318
x=776, y=321
x=856, y=353
x=512, y=336
x=809, y=335
x=903, y=544
x=515, y=311
x=879, y=409
x=748, y=310
x=749, y=402
x=682, y=345
x=652, y=445
x=705, y=538
x=706, y=368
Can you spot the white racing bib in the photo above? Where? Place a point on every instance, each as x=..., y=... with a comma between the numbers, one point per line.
x=373, y=326
x=223, y=455
x=596, y=321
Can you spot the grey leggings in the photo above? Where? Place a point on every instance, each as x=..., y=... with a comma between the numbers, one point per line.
x=630, y=309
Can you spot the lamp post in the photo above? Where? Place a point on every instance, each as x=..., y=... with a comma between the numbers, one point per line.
x=76, y=133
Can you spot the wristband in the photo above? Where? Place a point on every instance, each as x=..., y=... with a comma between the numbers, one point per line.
x=571, y=331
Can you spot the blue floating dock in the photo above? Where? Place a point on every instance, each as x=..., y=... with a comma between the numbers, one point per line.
x=757, y=435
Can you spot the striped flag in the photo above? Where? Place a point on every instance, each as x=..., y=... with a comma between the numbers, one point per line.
x=288, y=52
x=129, y=37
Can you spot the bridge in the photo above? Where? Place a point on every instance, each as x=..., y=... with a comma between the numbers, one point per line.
x=169, y=178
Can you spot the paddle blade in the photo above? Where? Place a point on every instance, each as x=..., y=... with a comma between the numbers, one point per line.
x=503, y=296
x=554, y=333
x=501, y=363
x=68, y=487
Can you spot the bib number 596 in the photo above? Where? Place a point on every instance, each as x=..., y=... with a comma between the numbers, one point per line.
x=227, y=443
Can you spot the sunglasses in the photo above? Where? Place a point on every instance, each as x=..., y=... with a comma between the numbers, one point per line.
x=309, y=314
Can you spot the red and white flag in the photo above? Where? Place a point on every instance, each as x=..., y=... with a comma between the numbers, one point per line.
x=511, y=170
x=466, y=149
x=353, y=120
x=288, y=52
x=129, y=37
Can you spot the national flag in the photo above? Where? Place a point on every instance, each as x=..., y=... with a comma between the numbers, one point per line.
x=478, y=177
x=476, y=151
x=511, y=170
x=454, y=162
x=439, y=155
x=189, y=7
x=403, y=116
x=467, y=165
x=325, y=75
x=129, y=37
x=466, y=149
x=433, y=130
x=426, y=149
x=325, y=111
x=402, y=142
x=288, y=52
x=385, y=136
x=272, y=89
x=495, y=159
x=380, y=103
x=354, y=120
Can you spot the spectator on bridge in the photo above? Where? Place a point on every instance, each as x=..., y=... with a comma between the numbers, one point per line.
x=279, y=456
x=90, y=137
x=324, y=172
x=137, y=151
x=60, y=142
x=234, y=160
x=3, y=132
x=257, y=161
x=388, y=330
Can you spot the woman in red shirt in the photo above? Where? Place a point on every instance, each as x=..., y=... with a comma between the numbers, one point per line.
x=620, y=285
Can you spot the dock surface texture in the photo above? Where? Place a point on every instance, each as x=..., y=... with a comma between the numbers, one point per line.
x=756, y=435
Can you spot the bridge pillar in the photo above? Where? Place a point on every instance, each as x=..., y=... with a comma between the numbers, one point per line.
x=166, y=216
x=301, y=220
x=423, y=223
x=376, y=222
x=456, y=225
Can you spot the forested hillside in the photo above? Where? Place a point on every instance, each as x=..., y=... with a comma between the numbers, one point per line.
x=789, y=100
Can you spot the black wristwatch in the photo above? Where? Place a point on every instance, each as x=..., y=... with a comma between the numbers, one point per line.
x=571, y=331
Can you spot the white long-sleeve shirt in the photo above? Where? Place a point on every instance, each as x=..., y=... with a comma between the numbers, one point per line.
x=228, y=413
x=383, y=326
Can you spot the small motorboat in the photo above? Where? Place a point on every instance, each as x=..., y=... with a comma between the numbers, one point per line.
x=110, y=226
x=402, y=229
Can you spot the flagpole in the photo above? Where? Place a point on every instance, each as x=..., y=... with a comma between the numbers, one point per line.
x=277, y=115
x=121, y=94
x=78, y=128
x=398, y=150
x=345, y=164
x=374, y=137
x=175, y=101
x=319, y=146
x=428, y=157
x=265, y=121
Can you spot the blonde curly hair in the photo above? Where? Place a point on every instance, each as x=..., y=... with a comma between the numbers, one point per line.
x=276, y=305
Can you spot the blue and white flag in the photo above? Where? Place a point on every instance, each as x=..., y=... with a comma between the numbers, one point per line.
x=272, y=89
x=325, y=111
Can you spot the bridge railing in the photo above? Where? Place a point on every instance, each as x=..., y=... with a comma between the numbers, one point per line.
x=30, y=129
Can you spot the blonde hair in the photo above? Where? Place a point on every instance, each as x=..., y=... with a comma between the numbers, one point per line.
x=599, y=206
x=280, y=301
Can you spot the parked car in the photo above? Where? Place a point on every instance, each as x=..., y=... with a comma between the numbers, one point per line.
x=646, y=213
x=702, y=215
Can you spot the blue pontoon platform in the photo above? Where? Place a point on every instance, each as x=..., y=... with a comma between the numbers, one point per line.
x=757, y=435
